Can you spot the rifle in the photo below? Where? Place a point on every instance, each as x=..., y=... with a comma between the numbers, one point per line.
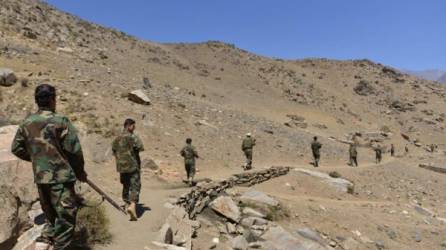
x=105, y=196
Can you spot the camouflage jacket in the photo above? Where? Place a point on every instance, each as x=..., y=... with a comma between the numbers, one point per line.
x=189, y=153
x=316, y=147
x=248, y=143
x=353, y=151
x=50, y=142
x=126, y=148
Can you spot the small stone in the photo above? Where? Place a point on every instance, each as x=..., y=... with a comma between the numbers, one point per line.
x=418, y=236
x=333, y=243
x=138, y=96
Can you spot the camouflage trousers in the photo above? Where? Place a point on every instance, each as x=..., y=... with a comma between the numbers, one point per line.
x=190, y=168
x=248, y=154
x=131, y=186
x=317, y=158
x=353, y=160
x=59, y=204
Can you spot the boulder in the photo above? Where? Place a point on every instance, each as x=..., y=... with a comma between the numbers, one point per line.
x=364, y=88
x=7, y=77
x=181, y=226
x=252, y=212
x=279, y=238
x=138, y=96
x=225, y=206
x=258, y=197
x=149, y=164
x=9, y=211
x=341, y=185
x=239, y=243
x=26, y=240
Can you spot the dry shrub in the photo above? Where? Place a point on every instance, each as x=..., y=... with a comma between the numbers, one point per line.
x=92, y=228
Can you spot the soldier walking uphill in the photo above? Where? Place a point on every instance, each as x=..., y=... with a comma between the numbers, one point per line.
x=126, y=148
x=353, y=154
x=316, y=149
x=378, y=153
x=247, y=145
x=392, y=150
x=189, y=154
x=50, y=142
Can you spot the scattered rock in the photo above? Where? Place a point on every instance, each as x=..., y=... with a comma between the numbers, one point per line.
x=258, y=197
x=311, y=235
x=225, y=206
x=138, y=96
x=239, y=243
x=65, y=50
x=181, y=226
x=283, y=240
x=7, y=77
x=418, y=237
x=252, y=212
x=166, y=234
x=340, y=184
x=364, y=88
x=146, y=83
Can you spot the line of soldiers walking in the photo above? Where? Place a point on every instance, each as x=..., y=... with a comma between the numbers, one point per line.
x=353, y=152
x=50, y=141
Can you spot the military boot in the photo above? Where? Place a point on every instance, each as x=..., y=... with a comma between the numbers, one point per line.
x=131, y=209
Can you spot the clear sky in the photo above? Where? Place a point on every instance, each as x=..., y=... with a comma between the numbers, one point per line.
x=408, y=34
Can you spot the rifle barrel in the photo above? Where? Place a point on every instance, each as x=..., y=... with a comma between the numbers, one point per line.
x=105, y=196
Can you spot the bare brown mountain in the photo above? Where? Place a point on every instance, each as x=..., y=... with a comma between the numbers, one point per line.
x=215, y=93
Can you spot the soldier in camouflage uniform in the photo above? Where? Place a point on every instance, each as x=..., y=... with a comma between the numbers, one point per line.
x=247, y=145
x=316, y=149
x=50, y=142
x=353, y=154
x=392, y=150
x=189, y=154
x=126, y=148
x=378, y=153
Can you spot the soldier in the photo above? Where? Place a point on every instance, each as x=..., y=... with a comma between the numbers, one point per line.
x=378, y=153
x=247, y=146
x=406, y=149
x=126, y=148
x=50, y=142
x=316, y=149
x=392, y=150
x=353, y=154
x=189, y=154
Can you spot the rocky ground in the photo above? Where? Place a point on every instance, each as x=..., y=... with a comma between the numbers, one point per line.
x=215, y=93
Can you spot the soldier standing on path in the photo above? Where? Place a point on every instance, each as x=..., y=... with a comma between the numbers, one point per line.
x=392, y=150
x=50, y=142
x=378, y=153
x=126, y=148
x=189, y=154
x=247, y=146
x=316, y=149
x=353, y=154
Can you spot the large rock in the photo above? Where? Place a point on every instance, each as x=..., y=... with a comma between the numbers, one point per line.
x=139, y=97
x=254, y=196
x=239, y=243
x=279, y=239
x=181, y=226
x=340, y=184
x=17, y=191
x=225, y=206
x=7, y=77
x=26, y=240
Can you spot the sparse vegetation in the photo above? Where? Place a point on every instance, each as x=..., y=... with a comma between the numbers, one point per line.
x=92, y=228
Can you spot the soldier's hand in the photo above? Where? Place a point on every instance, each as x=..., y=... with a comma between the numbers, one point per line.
x=82, y=176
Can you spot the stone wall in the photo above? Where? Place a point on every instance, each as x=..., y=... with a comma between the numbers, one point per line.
x=200, y=196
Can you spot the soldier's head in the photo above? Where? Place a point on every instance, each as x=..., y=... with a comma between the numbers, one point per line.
x=188, y=140
x=45, y=96
x=248, y=135
x=129, y=125
x=315, y=138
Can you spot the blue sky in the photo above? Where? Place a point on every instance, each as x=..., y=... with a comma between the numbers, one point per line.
x=408, y=34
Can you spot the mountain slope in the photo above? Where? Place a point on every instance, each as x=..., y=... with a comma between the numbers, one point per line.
x=215, y=93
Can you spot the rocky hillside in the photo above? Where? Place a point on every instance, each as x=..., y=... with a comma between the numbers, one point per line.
x=215, y=93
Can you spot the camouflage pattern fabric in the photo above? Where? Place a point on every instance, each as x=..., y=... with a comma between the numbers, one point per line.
x=353, y=155
x=248, y=143
x=131, y=186
x=126, y=148
x=316, y=148
x=50, y=141
x=58, y=202
x=189, y=154
x=248, y=155
x=378, y=154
